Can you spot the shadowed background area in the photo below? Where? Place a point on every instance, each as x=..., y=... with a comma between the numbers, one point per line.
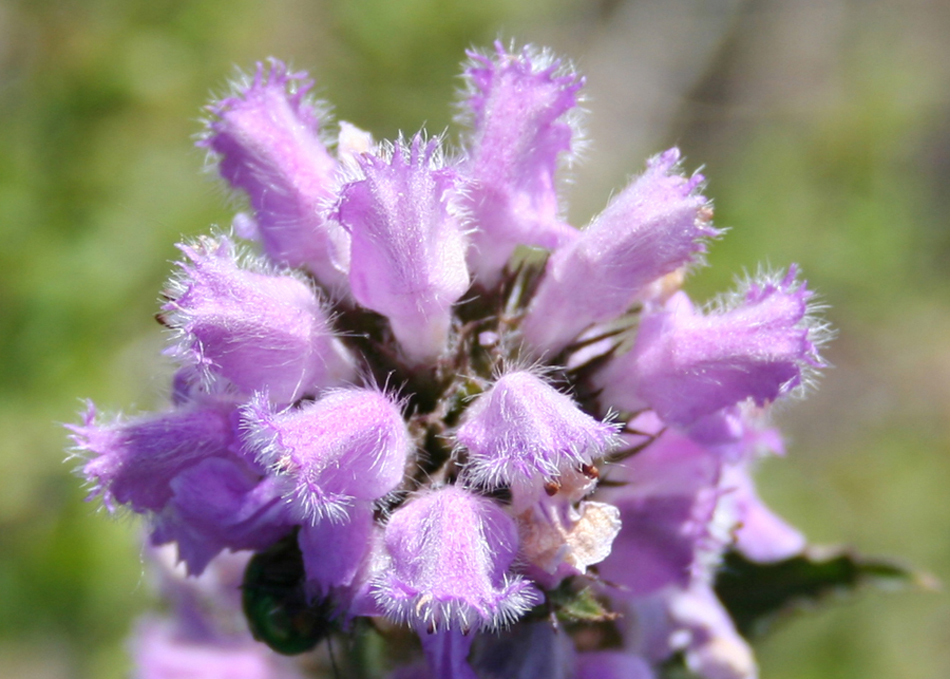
x=824, y=128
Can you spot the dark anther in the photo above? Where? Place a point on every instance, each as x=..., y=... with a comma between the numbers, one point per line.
x=590, y=471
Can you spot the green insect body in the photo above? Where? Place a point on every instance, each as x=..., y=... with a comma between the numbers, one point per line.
x=278, y=610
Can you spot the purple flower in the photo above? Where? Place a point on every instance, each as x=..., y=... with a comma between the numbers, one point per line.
x=760, y=344
x=483, y=490
x=133, y=462
x=266, y=138
x=254, y=329
x=350, y=446
x=521, y=106
x=451, y=552
x=220, y=504
x=408, y=250
x=612, y=665
x=160, y=651
x=523, y=433
x=667, y=500
x=656, y=225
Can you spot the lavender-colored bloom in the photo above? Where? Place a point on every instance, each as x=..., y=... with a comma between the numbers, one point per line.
x=408, y=244
x=334, y=551
x=520, y=106
x=712, y=647
x=257, y=330
x=612, y=665
x=133, y=462
x=265, y=135
x=350, y=446
x=523, y=433
x=160, y=651
x=686, y=364
x=220, y=504
x=483, y=490
x=450, y=553
x=653, y=227
x=666, y=504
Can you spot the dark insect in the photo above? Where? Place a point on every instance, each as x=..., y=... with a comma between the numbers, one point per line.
x=276, y=604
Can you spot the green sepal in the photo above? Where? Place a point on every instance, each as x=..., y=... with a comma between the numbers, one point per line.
x=579, y=606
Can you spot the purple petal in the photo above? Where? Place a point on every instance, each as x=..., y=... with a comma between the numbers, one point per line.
x=713, y=647
x=686, y=364
x=266, y=138
x=333, y=552
x=520, y=105
x=529, y=650
x=219, y=504
x=523, y=433
x=450, y=552
x=446, y=652
x=351, y=445
x=653, y=227
x=160, y=651
x=258, y=331
x=133, y=462
x=761, y=534
x=408, y=250
x=666, y=508
x=612, y=665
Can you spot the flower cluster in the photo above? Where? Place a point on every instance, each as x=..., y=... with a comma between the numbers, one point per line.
x=428, y=402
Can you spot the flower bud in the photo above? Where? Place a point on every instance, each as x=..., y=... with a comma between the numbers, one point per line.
x=350, y=446
x=523, y=433
x=521, y=106
x=686, y=364
x=258, y=331
x=266, y=138
x=654, y=226
x=408, y=246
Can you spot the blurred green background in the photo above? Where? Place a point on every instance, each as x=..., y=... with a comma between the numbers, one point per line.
x=824, y=128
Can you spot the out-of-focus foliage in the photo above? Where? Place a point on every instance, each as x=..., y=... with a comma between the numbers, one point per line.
x=824, y=130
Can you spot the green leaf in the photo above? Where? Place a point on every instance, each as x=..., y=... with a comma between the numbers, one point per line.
x=756, y=593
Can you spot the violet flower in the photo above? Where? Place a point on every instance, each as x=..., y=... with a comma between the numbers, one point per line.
x=265, y=136
x=469, y=501
x=521, y=107
x=408, y=249
x=256, y=330
x=523, y=433
x=349, y=446
x=656, y=225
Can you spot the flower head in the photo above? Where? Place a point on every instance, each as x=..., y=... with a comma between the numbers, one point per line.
x=605, y=482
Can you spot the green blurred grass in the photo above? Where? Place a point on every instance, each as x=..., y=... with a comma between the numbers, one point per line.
x=99, y=100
